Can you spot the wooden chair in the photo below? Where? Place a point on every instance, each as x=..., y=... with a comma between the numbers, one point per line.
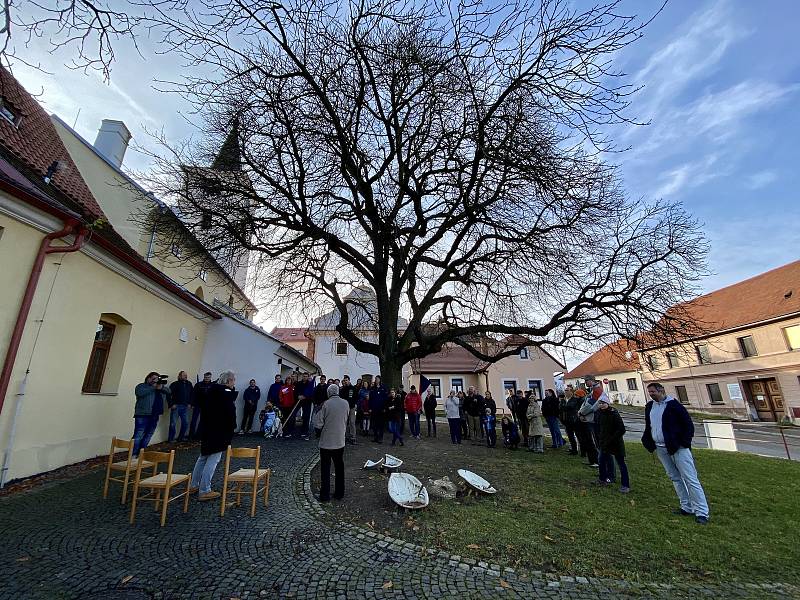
x=159, y=484
x=244, y=477
x=127, y=466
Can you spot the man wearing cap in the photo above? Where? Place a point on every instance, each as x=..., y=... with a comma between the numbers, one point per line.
x=668, y=432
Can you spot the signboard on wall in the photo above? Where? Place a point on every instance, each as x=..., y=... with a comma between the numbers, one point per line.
x=735, y=391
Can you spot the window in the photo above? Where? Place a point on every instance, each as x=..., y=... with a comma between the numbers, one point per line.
x=98, y=358
x=176, y=250
x=203, y=274
x=612, y=385
x=436, y=384
x=341, y=348
x=672, y=359
x=792, y=333
x=510, y=384
x=632, y=385
x=748, y=346
x=680, y=392
x=703, y=354
x=714, y=393
x=652, y=362
x=536, y=386
x=9, y=113
x=524, y=354
x=457, y=384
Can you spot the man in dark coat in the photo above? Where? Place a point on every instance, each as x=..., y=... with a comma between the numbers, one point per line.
x=610, y=433
x=216, y=432
x=251, y=395
x=181, y=398
x=201, y=389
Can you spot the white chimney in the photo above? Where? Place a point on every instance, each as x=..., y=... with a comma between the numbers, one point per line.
x=112, y=141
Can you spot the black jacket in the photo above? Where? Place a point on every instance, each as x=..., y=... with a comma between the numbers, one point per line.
x=395, y=408
x=489, y=403
x=610, y=431
x=571, y=410
x=251, y=395
x=474, y=405
x=320, y=393
x=675, y=423
x=200, y=395
x=181, y=392
x=348, y=392
x=429, y=406
x=521, y=404
x=550, y=406
x=219, y=419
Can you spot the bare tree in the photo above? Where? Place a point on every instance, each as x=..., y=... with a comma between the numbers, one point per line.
x=450, y=158
x=86, y=28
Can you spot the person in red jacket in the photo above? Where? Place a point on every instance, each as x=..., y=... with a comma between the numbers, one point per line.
x=413, y=406
x=286, y=400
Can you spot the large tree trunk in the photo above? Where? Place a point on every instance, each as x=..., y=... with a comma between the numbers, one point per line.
x=391, y=371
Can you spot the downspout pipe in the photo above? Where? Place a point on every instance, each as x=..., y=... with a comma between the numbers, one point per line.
x=71, y=226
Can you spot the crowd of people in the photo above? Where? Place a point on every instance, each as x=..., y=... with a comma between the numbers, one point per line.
x=338, y=411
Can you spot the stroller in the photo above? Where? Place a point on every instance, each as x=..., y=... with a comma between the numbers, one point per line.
x=271, y=424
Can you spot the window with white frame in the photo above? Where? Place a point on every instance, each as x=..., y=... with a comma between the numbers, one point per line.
x=457, y=384
x=612, y=385
x=436, y=384
x=202, y=274
x=536, y=386
x=632, y=385
x=524, y=354
x=510, y=384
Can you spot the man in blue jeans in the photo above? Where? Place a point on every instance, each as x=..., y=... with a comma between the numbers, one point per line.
x=149, y=407
x=181, y=398
x=668, y=432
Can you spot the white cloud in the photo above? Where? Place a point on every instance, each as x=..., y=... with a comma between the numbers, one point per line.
x=688, y=175
x=709, y=34
x=756, y=181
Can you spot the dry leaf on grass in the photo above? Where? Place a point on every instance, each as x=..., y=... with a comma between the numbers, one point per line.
x=504, y=584
x=473, y=546
x=126, y=579
x=548, y=538
x=388, y=585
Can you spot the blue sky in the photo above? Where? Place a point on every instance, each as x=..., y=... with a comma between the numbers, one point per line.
x=722, y=87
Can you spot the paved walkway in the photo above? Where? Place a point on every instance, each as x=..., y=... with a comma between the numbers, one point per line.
x=62, y=540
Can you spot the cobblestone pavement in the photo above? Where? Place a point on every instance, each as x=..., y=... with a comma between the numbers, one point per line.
x=62, y=540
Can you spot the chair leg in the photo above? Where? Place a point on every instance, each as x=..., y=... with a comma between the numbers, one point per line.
x=158, y=499
x=125, y=487
x=164, y=506
x=186, y=497
x=253, y=499
x=108, y=475
x=266, y=490
x=224, y=498
x=133, y=505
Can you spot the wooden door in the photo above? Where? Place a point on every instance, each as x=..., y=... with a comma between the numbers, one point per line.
x=763, y=399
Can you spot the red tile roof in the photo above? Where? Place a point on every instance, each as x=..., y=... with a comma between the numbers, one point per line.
x=770, y=295
x=609, y=359
x=35, y=142
x=290, y=334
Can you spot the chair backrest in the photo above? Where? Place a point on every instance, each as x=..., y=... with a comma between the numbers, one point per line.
x=244, y=452
x=156, y=458
x=118, y=443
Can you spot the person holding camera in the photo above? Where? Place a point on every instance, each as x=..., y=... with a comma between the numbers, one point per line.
x=149, y=407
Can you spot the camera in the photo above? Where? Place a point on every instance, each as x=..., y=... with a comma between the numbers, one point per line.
x=162, y=380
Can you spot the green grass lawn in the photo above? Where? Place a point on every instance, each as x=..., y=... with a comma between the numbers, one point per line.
x=548, y=517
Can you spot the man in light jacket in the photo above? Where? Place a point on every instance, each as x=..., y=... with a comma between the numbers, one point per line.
x=668, y=432
x=333, y=422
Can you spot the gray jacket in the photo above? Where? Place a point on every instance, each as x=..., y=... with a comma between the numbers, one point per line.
x=145, y=396
x=333, y=420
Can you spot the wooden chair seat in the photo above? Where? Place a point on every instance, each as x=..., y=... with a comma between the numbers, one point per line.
x=160, y=480
x=243, y=479
x=159, y=486
x=124, y=465
x=247, y=474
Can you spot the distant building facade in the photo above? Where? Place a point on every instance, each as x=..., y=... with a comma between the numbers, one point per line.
x=617, y=366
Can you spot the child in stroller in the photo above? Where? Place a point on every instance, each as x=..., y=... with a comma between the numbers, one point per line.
x=271, y=422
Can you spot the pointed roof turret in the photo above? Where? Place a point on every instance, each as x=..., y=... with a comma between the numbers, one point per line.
x=229, y=157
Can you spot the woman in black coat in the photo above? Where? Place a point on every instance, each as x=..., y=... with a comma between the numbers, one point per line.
x=216, y=432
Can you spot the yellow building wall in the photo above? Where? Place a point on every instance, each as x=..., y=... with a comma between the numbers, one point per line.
x=58, y=424
x=124, y=206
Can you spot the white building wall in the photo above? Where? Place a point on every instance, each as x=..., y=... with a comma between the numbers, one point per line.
x=354, y=363
x=623, y=395
x=238, y=348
